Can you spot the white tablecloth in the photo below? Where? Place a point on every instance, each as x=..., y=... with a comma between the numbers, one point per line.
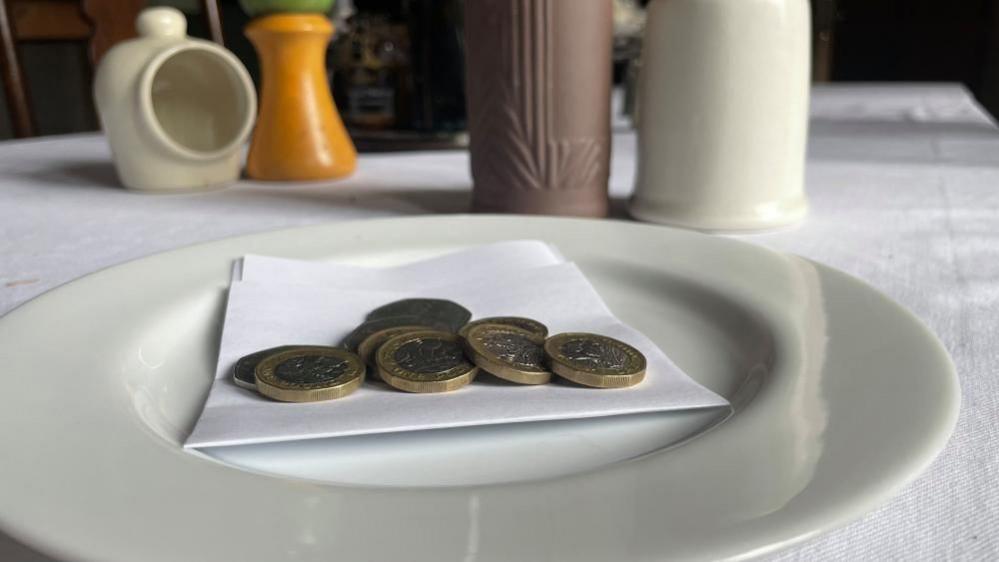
x=904, y=186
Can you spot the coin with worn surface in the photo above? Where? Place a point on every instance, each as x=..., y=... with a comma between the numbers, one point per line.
x=242, y=373
x=367, y=349
x=353, y=340
x=532, y=326
x=595, y=360
x=442, y=312
x=508, y=352
x=309, y=374
x=425, y=361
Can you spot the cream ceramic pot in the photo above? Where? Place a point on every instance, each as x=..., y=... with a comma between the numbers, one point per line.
x=176, y=110
x=723, y=98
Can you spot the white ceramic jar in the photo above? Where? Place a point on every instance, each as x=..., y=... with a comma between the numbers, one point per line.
x=724, y=112
x=176, y=110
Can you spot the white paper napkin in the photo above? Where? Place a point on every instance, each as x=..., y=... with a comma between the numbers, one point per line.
x=278, y=302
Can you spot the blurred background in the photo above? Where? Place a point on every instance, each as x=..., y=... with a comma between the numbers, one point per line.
x=396, y=65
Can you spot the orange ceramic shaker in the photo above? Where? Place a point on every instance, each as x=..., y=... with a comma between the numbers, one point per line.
x=299, y=134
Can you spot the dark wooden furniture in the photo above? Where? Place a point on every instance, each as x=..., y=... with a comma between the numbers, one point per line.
x=824, y=16
x=101, y=23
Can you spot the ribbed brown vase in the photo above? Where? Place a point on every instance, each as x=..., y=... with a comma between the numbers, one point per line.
x=538, y=78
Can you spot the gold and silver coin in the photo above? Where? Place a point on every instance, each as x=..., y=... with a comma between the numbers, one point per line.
x=440, y=313
x=352, y=341
x=508, y=352
x=242, y=373
x=528, y=324
x=594, y=360
x=371, y=344
x=424, y=361
x=309, y=374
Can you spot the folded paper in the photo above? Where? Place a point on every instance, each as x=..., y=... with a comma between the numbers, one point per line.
x=274, y=301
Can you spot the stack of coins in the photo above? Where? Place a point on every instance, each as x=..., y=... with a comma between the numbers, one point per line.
x=431, y=345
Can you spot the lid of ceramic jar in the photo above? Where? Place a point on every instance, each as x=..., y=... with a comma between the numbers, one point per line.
x=161, y=22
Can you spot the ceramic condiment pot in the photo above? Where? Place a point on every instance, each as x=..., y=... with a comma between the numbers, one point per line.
x=723, y=97
x=175, y=110
x=538, y=77
x=299, y=134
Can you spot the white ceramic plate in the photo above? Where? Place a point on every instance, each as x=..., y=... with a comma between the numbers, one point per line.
x=841, y=397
